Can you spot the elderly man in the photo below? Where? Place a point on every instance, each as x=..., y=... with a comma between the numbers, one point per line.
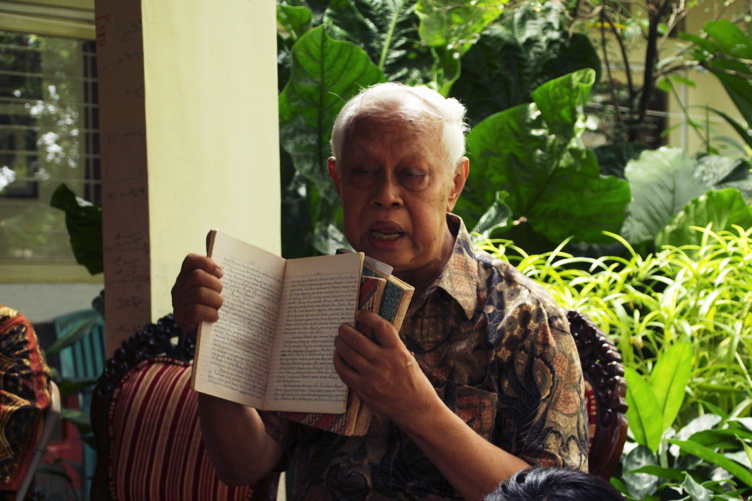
x=482, y=380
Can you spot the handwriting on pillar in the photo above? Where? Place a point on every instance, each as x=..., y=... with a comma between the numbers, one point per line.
x=102, y=20
x=130, y=260
x=126, y=245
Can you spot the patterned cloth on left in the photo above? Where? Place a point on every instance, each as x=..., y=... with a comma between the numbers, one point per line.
x=24, y=396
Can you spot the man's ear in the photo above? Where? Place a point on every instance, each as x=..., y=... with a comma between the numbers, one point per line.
x=331, y=163
x=458, y=182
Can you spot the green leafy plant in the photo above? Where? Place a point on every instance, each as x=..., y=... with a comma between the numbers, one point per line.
x=699, y=294
x=552, y=185
x=726, y=52
x=682, y=319
x=537, y=185
x=708, y=459
x=653, y=405
x=362, y=42
x=84, y=223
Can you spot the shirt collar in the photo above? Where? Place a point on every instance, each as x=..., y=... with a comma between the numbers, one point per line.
x=459, y=278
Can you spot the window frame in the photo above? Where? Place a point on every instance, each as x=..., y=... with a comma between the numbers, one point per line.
x=58, y=18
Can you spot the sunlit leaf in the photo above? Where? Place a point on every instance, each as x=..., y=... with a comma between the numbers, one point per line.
x=720, y=210
x=295, y=21
x=388, y=31
x=456, y=24
x=716, y=458
x=644, y=413
x=662, y=181
x=659, y=471
x=669, y=380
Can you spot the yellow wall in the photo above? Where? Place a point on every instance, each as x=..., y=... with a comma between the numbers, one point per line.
x=211, y=122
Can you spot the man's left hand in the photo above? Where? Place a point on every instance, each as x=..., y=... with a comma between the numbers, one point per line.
x=384, y=373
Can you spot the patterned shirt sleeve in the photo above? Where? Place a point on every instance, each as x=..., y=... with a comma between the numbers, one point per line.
x=281, y=430
x=541, y=402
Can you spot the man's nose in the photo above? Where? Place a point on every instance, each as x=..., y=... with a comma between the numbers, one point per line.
x=387, y=193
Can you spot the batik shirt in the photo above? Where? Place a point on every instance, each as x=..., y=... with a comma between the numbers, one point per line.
x=499, y=353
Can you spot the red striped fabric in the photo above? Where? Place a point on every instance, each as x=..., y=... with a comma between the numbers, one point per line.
x=592, y=410
x=156, y=451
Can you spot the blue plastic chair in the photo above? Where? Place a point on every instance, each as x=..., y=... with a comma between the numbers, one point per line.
x=83, y=360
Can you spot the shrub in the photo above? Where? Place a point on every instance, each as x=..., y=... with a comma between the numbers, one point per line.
x=682, y=320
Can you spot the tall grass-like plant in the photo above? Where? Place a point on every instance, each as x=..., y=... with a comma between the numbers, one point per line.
x=701, y=294
x=682, y=319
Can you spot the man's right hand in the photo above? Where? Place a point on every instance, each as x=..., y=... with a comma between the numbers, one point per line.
x=196, y=294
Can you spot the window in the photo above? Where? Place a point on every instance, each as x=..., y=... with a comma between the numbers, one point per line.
x=48, y=135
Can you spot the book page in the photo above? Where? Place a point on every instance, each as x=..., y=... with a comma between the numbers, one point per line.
x=319, y=295
x=233, y=357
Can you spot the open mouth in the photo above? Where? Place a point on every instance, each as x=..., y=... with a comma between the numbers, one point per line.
x=386, y=236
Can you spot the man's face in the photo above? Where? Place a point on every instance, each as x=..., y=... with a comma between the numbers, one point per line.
x=396, y=187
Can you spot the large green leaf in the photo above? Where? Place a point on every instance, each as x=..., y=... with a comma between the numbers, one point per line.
x=644, y=412
x=724, y=172
x=669, y=380
x=709, y=455
x=450, y=28
x=724, y=53
x=294, y=21
x=532, y=153
x=325, y=74
x=529, y=46
x=744, y=131
x=640, y=485
x=388, y=31
x=562, y=103
x=719, y=209
x=456, y=24
x=84, y=223
x=662, y=182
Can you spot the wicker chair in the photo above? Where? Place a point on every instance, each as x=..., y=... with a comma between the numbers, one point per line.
x=145, y=420
x=606, y=394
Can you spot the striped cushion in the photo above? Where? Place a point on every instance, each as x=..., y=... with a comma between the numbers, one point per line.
x=156, y=451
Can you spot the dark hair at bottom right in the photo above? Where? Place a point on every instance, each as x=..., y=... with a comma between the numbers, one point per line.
x=554, y=484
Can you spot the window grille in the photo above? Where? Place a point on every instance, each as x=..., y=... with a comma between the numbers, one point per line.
x=48, y=135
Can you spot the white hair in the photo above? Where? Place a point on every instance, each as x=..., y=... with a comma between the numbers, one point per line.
x=385, y=98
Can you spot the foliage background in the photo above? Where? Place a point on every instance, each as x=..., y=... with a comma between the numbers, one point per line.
x=652, y=242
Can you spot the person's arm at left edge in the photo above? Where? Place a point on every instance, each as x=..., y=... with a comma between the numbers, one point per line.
x=387, y=377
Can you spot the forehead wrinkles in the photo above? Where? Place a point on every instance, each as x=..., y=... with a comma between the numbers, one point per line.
x=372, y=130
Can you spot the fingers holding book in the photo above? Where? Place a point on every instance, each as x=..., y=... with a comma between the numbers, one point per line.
x=196, y=295
x=385, y=375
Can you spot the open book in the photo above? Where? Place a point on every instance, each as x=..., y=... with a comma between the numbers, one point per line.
x=388, y=296
x=272, y=346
